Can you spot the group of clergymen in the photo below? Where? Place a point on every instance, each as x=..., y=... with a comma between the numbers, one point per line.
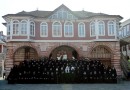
x=62, y=71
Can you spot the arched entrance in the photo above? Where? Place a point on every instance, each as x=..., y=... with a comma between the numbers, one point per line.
x=24, y=53
x=103, y=54
x=58, y=51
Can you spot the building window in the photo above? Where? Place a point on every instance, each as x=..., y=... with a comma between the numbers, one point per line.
x=101, y=28
x=128, y=30
x=92, y=29
x=8, y=28
x=68, y=29
x=124, y=48
x=23, y=27
x=15, y=27
x=56, y=29
x=81, y=30
x=43, y=29
x=124, y=31
x=120, y=34
x=32, y=26
x=111, y=29
x=62, y=14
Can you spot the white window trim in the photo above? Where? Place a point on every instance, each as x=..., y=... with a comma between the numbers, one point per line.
x=8, y=30
x=34, y=29
x=18, y=28
x=46, y=29
x=103, y=27
x=72, y=29
x=62, y=11
x=84, y=29
x=90, y=29
x=128, y=29
x=21, y=27
x=108, y=28
x=53, y=30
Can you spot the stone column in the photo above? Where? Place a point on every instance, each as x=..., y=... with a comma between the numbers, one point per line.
x=8, y=61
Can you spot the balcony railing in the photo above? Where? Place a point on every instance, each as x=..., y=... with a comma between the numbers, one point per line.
x=123, y=37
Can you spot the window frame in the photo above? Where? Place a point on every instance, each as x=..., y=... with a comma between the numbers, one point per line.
x=63, y=14
x=109, y=26
x=15, y=24
x=33, y=28
x=46, y=26
x=92, y=26
x=68, y=30
x=8, y=28
x=24, y=28
x=102, y=27
x=81, y=30
x=58, y=26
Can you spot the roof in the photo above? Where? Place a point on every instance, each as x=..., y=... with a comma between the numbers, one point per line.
x=44, y=14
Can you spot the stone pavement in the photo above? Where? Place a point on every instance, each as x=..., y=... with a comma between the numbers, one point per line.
x=124, y=85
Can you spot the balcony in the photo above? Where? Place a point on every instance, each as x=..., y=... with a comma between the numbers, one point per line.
x=125, y=38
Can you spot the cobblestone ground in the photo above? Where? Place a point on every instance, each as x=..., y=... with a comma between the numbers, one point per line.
x=123, y=85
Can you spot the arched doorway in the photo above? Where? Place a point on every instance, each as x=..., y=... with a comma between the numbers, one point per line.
x=24, y=53
x=103, y=54
x=70, y=51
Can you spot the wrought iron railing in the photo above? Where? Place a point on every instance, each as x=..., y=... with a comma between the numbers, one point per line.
x=125, y=65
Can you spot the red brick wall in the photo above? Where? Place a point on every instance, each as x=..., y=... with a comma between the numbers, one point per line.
x=75, y=24
x=114, y=47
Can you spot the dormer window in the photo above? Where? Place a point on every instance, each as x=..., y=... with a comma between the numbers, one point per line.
x=63, y=14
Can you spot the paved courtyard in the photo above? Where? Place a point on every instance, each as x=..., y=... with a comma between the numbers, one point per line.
x=123, y=85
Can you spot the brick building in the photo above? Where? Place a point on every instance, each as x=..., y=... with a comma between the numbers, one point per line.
x=2, y=52
x=49, y=33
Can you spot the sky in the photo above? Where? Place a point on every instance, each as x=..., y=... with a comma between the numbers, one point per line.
x=111, y=7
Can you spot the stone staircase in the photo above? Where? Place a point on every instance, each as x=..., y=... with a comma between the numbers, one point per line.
x=125, y=65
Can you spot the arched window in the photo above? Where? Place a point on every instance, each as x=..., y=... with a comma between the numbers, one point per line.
x=8, y=29
x=23, y=27
x=15, y=27
x=101, y=28
x=56, y=29
x=68, y=29
x=81, y=30
x=111, y=29
x=63, y=14
x=32, y=27
x=92, y=29
x=43, y=29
